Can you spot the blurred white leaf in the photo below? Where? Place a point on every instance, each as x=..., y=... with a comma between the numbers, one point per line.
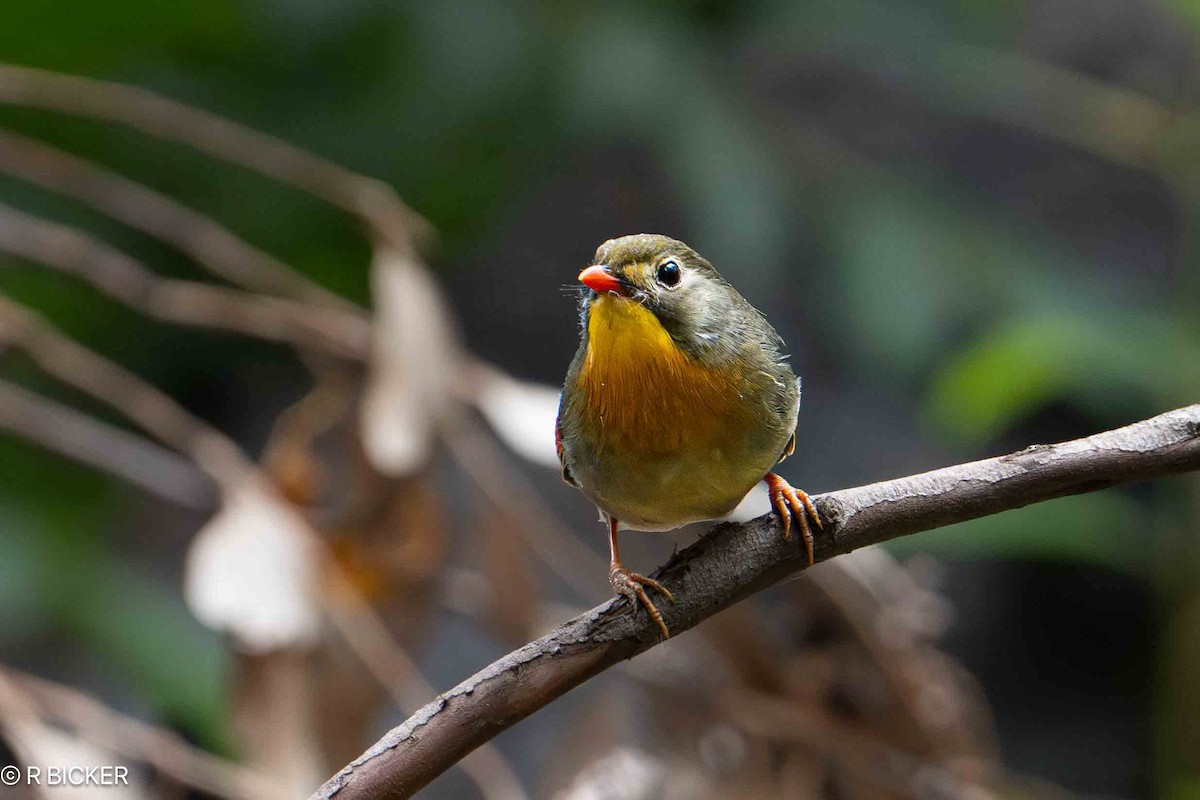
x=522, y=414
x=252, y=571
x=629, y=774
x=623, y=774
x=413, y=357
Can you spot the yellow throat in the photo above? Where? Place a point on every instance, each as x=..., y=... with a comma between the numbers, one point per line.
x=646, y=394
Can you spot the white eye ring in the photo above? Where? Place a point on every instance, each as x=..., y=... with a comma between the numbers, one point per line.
x=669, y=273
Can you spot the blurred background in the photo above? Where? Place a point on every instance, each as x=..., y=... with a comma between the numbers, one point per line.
x=975, y=225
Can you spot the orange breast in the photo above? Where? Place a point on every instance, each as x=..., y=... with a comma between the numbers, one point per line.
x=644, y=395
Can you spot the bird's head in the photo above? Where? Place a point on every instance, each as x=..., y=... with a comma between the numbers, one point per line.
x=665, y=277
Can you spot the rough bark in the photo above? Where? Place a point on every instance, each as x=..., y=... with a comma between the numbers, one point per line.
x=734, y=561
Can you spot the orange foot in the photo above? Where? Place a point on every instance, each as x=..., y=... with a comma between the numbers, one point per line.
x=632, y=586
x=789, y=502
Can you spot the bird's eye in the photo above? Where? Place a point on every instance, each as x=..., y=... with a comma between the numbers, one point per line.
x=669, y=273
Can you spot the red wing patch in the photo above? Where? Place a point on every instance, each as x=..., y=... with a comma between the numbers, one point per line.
x=558, y=438
x=788, y=449
x=558, y=446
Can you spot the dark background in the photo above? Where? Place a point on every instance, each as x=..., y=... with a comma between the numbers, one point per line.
x=975, y=224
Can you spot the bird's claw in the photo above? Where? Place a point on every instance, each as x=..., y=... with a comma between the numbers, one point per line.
x=633, y=586
x=790, y=502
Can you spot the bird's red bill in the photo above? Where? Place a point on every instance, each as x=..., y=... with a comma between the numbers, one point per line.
x=600, y=280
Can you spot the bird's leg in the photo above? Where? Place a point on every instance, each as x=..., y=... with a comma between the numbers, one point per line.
x=790, y=502
x=632, y=585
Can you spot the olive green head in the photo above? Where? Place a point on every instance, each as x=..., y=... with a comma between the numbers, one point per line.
x=705, y=316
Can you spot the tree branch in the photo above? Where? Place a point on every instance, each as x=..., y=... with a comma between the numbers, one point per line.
x=732, y=562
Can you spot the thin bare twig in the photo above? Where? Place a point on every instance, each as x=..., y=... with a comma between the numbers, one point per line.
x=69, y=432
x=902, y=683
x=321, y=328
x=892, y=769
x=733, y=562
x=373, y=201
x=203, y=239
x=144, y=405
x=548, y=538
x=364, y=630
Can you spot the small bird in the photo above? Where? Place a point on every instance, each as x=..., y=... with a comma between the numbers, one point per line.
x=678, y=401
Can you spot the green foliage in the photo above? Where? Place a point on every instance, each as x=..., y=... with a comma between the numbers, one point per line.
x=1113, y=368
x=1085, y=529
x=167, y=657
x=58, y=571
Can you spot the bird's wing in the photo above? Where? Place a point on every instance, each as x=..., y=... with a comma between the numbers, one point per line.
x=558, y=446
x=790, y=447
